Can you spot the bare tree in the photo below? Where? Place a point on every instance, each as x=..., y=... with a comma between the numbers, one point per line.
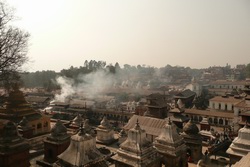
x=13, y=44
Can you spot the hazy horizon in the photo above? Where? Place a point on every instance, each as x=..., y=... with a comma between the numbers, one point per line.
x=193, y=33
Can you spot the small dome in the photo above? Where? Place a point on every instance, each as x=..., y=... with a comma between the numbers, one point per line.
x=190, y=128
x=59, y=129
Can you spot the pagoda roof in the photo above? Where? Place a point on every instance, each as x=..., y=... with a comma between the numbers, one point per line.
x=155, y=96
x=185, y=94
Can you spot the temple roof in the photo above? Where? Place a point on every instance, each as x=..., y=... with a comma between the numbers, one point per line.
x=155, y=96
x=185, y=94
x=83, y=147
x=169, y=141
x=169, y=133
x=136, y=150
x=77, y=120
x=16, y=107
x=104, y=124
x=136, y=139
x=59, y=131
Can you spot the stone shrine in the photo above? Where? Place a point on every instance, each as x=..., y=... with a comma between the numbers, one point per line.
x=105, y=132
x=192, y=140
x=136, y=150
x=240, y=145
x=171, y=146
x=14, y=150
x=56, y=143
x=82, y=152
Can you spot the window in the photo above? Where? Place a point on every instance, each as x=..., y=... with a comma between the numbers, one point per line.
x=45, y=124
x=220, y=121
x=50, y=153
x=39, y=126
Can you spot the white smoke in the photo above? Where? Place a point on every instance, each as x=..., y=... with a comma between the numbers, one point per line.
x=95, y=83
x=90, y=85
x=67, y=88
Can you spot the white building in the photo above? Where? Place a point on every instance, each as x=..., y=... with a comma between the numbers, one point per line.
x=224, y=103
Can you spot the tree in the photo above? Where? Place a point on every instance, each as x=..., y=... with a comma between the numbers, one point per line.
x=13, y=44
x=248, y=70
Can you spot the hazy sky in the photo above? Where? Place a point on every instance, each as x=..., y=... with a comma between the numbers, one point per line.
x=194, y=33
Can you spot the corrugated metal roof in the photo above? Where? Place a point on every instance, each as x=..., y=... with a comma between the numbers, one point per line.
x=152, y=126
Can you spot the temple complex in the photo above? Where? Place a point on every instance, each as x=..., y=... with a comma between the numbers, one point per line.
x=240, y=145
x=82, y=152
x=14, y=150
x=56, y=143
x=186, y=96
x=192, y=140
x=176, y=114
x=171, y=146
x=17, y=107
x=105, y=132
x=157, y=106
x=136, y=150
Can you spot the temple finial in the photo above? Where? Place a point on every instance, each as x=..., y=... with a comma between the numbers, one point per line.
x=81, y=129
x=169, y=121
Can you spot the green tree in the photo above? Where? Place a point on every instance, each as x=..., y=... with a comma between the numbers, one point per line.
x=247, y=70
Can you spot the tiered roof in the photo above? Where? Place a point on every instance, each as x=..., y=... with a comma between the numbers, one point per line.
x=17, y=107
